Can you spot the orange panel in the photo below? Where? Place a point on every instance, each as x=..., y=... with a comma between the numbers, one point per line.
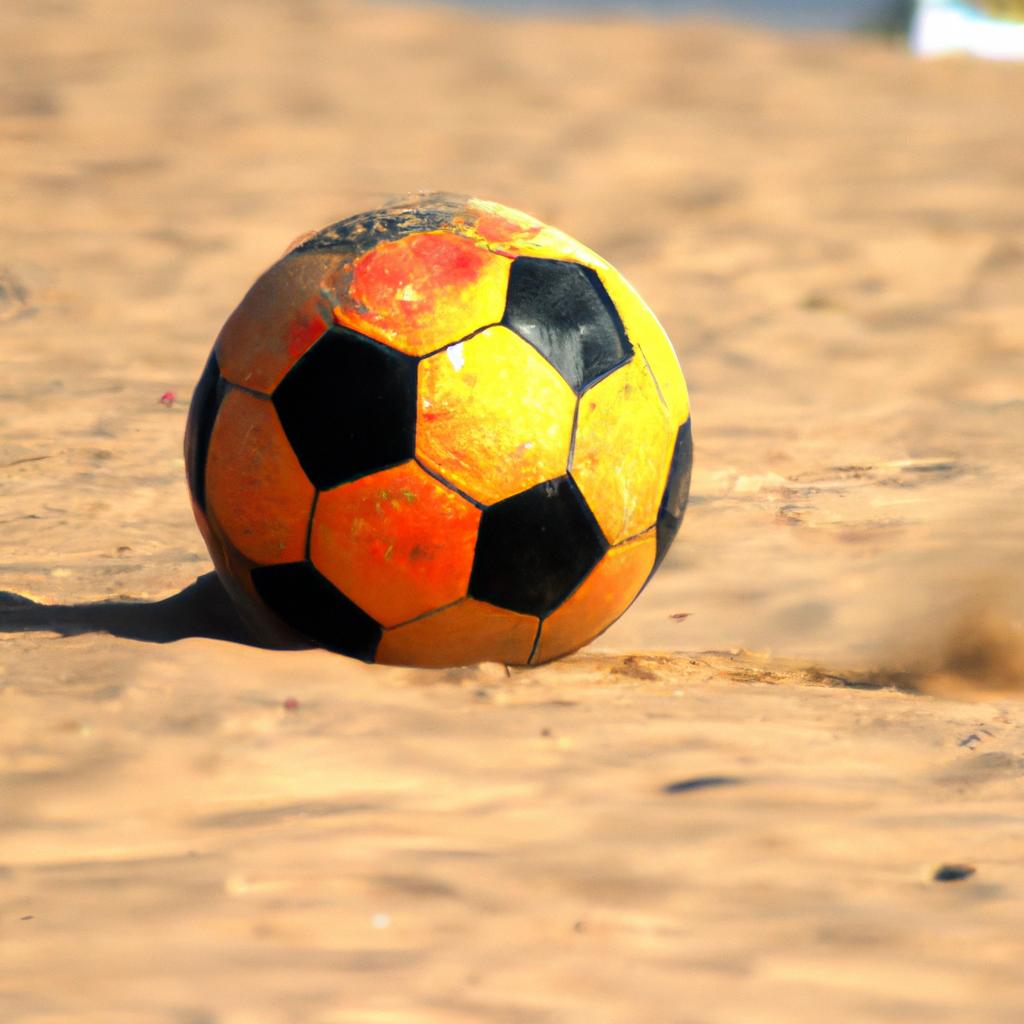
x=397, y=542
x=623, y=446
x=495, y=417
x=277, y=321
x=649, y=336
x=464, y=634
x=603, y=596
x=518, y=234
x=256, y=491
x=423, y=291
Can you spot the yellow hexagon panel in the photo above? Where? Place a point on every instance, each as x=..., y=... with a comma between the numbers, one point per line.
x=256, y=491
x=603, y=596
x=649, y=336
x=600, y=599
x=515, y=233
x=495, y=417
x=423, y=291
x=398, y=543
x=464, y=634
x=278, y=320
x=623, y=447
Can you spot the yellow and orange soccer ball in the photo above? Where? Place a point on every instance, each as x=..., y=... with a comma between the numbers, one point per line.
x=438, y=433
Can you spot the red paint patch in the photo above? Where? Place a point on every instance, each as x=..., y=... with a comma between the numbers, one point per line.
x=305, y=330
x=423, y=291
x=411, y=275
x=494, y=228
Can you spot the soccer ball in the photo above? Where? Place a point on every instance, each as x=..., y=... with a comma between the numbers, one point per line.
x=439, y=433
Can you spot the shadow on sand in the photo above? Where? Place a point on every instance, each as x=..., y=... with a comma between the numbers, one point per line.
x=202, y=609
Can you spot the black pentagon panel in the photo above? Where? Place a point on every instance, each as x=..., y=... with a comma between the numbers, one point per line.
x=677, y=492
x=348, y=407
x=298, y=595
x=202, y=414
x=563, y=310
x=535, y=548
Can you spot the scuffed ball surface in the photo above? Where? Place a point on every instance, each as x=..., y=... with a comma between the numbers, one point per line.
x=438, y=433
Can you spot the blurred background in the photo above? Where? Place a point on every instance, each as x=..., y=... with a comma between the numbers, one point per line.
x=887, y=15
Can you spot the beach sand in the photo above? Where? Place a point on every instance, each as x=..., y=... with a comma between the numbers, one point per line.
x=732, y=807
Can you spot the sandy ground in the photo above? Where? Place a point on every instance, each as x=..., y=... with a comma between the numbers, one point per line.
x=732, y=808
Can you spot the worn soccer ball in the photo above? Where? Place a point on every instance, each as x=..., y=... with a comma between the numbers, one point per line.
x=439, y=433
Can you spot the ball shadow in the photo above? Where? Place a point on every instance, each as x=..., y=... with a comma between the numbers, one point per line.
x=202, y=609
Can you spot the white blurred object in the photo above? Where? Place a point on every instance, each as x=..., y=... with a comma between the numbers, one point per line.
x=956, y=26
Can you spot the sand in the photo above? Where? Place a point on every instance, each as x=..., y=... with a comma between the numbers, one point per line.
x=733, y=806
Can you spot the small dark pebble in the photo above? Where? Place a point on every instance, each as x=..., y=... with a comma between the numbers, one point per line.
x=28, y=917
x=545, y=732
x=953, y=872
x=700, y=782
x=291, y=704
x=579, y=926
